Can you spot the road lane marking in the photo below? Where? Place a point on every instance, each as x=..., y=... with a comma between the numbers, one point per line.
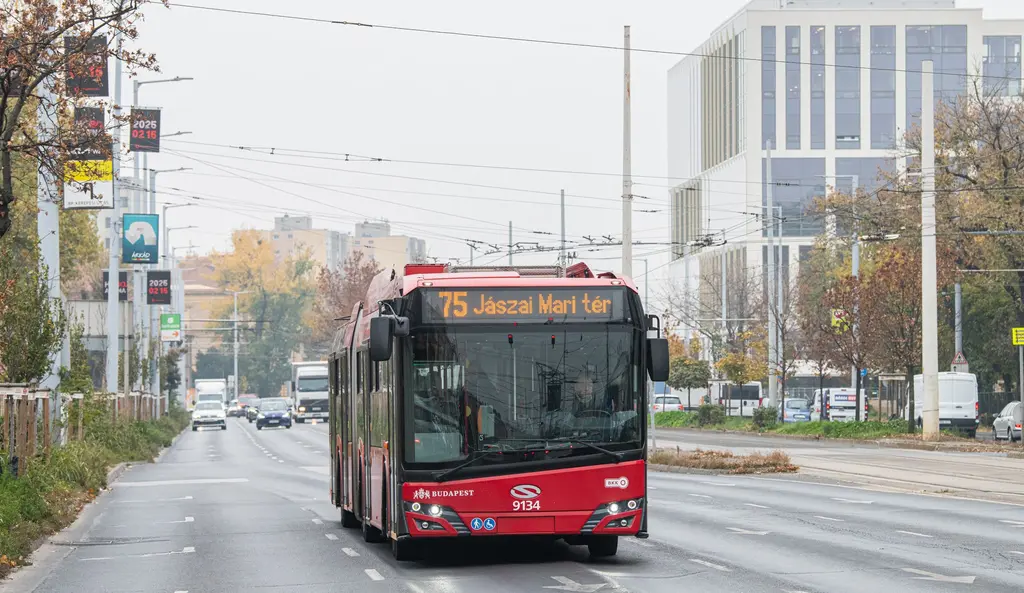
x=318, y=522
x=756, y=506
x=180, y=482
x=850, y=501
x=710, y=564
x=1016, y=552
x=350, y=552
x=1016, y=523
x=280, y=460
x=739, y=531
x=824, y=518
x=914, y=534
x=700, y=496
x=571, y=585
x=931, y=576
x=186, y=550
x=717, y=484
x=373, y=574
x=331, y=536
x=151, y=501
x=186, y=520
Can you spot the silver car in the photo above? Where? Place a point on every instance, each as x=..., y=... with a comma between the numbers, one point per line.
x=209, y=414
x=1007, y=424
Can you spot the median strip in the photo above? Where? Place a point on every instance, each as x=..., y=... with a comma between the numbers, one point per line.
x=702, y=461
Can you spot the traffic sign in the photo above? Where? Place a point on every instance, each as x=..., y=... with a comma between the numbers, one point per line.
x=170, y=327
x=839, y=319
x=959, y=364
x=1018, y=336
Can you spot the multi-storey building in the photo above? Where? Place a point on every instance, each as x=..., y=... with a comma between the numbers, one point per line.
x=832, y=86
x=294, y=233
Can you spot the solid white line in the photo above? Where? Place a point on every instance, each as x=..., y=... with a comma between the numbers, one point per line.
x=318, y=521
x=913, y=533
x=331, y=536
x=848, y=501
x=829, y=518
x=700, y=496
x=151, y=501
x=1008, y=522
x=373, y=574
x=180, y=482
x=756, y=506
x=1016, y=552
x=350, y=552
x=717, y=484
x=280, y=460
x=710, y=564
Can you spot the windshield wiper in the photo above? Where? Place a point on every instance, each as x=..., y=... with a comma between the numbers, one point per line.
x=573, y=442
x=476, y=458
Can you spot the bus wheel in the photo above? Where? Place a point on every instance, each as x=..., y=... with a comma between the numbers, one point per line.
x=404, y=550
x=370, y=533
x=348, y=519
x=602, y=546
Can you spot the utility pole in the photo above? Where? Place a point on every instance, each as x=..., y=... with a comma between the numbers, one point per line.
x=48, y=227
x=929, y=280
x=773, y=381
x=561, y=254
x=235, y=324
x=855, y=257
x=627, y=180
x=510, y=242
x=113, y=264
x=472, y=250
x=958, y=323
x=779, y=307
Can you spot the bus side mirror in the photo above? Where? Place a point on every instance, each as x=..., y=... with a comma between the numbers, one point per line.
x=657, y=359
x=381, y=336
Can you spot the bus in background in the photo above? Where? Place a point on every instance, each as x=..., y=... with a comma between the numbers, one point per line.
x=482, y=402
x=840, y=405
x=309, y=391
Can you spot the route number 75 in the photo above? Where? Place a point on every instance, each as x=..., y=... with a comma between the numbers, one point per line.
x=456, y=298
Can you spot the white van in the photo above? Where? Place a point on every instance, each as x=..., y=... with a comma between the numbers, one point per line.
x=958, y=402
x=740, y=400
x=840, y=404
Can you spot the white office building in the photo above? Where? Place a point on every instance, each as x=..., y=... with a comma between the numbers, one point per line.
x=769, y=74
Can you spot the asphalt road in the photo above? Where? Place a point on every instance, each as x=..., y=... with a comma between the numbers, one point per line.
x=241, y=510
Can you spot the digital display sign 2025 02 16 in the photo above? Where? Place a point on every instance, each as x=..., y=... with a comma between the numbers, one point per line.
x=523, y=305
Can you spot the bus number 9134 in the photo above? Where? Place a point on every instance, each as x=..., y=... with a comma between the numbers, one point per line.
x=525, y=505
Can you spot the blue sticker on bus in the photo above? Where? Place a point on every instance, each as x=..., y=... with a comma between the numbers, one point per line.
x=489, y=524
x=476, y=524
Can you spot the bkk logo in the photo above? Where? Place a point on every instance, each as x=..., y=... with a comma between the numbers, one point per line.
x=622, y=483
x=525, y=491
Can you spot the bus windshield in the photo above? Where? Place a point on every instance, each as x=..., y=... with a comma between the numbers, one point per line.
x=479, y=389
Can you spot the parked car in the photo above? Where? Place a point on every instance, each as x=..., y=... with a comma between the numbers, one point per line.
x=274, y=412
x=667, y=403
x=209, y=414
x=1007, y=425
x=796, y=409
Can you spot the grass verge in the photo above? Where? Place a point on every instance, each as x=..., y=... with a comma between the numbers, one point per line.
x=49, y=496
x=755, y=463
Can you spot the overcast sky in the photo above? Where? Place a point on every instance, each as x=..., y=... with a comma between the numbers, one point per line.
x=407, y=96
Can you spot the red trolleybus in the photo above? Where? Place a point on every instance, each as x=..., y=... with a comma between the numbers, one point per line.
x=482, y=402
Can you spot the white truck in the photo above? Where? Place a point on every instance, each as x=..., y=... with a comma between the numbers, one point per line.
x=309, y=390
x=211, y=390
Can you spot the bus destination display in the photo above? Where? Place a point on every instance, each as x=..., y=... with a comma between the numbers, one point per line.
x=526, y=306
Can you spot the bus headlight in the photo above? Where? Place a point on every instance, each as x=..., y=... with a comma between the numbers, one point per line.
x=302, y=408
x=416, y=507
x=613, y=508
x=434, y=510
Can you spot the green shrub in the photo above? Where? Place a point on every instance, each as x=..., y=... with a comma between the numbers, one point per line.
x=675, y=419
x=710, y=415
x=765, y=417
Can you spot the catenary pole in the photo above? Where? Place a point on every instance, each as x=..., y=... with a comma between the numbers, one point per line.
x=929, y=281
x=113, y=291
x=627, y=160
x=769, y=276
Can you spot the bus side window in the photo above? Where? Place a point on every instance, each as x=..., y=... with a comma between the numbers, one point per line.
x=376, y=376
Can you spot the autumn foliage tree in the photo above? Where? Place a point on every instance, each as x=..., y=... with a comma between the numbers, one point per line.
x=48, y=48
x=337, y=292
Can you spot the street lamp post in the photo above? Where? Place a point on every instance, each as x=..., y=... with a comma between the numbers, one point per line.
x=235, y=318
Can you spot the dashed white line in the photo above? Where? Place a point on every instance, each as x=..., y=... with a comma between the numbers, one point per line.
x=373, y=574
x=914, y=533
x=350, y=552
x=700, y=495
x=756, y=506
x=849, y=501
x=331, y=536
x=318, y=522
x=1017, y=553
x=1008, y=522
x=710, y=564
x=280, y=460
x=824, y=518
x=717, y=484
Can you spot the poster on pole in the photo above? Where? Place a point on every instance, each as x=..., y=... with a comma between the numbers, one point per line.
x=170, y=327
x=145, y=130
x=89, y=171
x=158, y=287
x=139, y=243
x=122, y=285
x=87, y=74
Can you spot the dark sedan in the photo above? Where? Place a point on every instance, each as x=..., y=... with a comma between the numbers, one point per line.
x=273, y=412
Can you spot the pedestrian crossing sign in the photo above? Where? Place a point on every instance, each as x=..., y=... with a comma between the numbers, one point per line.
x=1018, y=336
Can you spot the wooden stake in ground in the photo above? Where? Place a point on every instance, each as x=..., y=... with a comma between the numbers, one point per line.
x=46, y=426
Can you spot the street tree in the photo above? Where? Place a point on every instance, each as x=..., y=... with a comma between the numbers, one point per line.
x=688, y=373
x=336, y=293
x=51, y=52
x=747, y=360
x=32, y=325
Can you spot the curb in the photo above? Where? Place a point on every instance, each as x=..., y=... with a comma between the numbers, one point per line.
x=164, y=451
x=676, y=469
x=115, y=472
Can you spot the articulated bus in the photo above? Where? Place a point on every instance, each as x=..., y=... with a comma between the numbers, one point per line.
x=481, y=402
